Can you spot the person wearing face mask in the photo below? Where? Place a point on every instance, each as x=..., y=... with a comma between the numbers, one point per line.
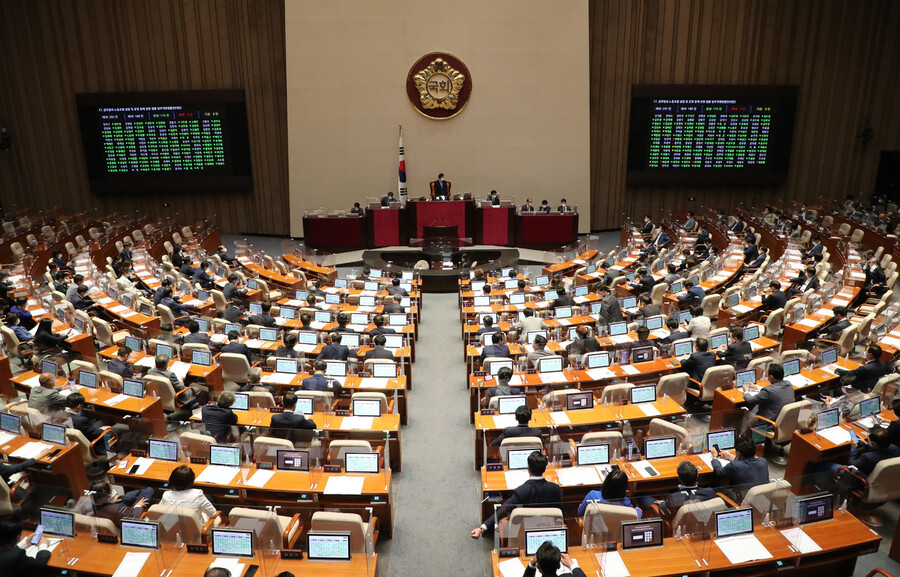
x=875, y=278
x=440, y=188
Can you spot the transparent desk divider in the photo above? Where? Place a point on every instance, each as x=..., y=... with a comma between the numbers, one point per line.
x=176, y=526
x=595, y=533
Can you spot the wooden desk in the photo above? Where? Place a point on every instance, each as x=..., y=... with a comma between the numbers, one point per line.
x=570, y=266
x=325, y=273
x=64, y=470
x=278, y=280
x=842, y=540
x=212, y=375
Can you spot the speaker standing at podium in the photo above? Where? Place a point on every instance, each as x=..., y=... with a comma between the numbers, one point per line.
x=440, y=188
x=494, y=198
x=387, y=200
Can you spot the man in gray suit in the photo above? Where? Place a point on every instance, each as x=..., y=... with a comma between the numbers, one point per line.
x=46, y=396
x=610, y=311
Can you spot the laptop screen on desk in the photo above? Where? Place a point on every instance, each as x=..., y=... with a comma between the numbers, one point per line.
x=59, y=523
x=289, y=313
x=683, y=348
x=204, y=325
x=734, y=522
x=827, y=419
x=287, y=366
x=10, y=423
x=87, y=379
x=140, y=534
x=641, y=354
x=241, y=402
x=256, y=308
x=723, y=438
x=497, y=365
x=531, y=335
x=361, y=462
x=868, y=407
x=167, y=350
x=511, y=283
x=676, y=287
x=477, y=286
x=162, y=450
x=659, y=448
x=517, y=299
x=654, y=323
x=579, y=401
x=332, y=299
x=734, y=299
x=628, y=302
x=618, y=329
x=231, y=543
x=397, y=319
x=307, y=338
x=563, y=312
x=366, y=407
x=744, y=378
x=684, y=317
x=751, y=333
x=593, y=454
x=55, y=434
x=50, y=367
x=829, y=356
x=718, y=340
x=134, y=344
x=340, y=283
x=328, y=546
x=359, y=319
x=234, y=327
x=350, y=340
x=336, y=368
x=791, y=367
x=550, y=365
x=518, y=458
x=202, y=358
x=393, y=341
x=305, y=405
x=596, y=360
x=227, y=455
x=535, y=538
x=384, y=370
x=370, y=286
x=269, y=335
x=507, y=405
x=645, y=394
x=814, y=508
x=643, y=533
x=292, y=460
x=133, y=388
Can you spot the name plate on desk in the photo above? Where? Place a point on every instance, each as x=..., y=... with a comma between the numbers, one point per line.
x=290, y=554
x=107, y=538
x=138, y=453
x=198, y=461
x=265, y=466
x=332, y=468
x=507, y=552
x=493, y=467
x=276, y=409
x=487, y=411
x=198, y=548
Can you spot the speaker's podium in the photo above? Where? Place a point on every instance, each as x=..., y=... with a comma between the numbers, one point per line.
x=387, y=225
x=495, y=224
x=447, y=219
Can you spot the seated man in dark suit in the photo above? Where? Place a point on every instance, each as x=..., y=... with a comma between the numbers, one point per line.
x=688, y=491
x=676, y=333
x=12, y=550
x=158, y=294
x=380, y=329
x=109, y=505
x=535, y=492
x=744, y=472
x=648, y=309
x=334, y=350
x=770, y=399
x=528, y=206
x=806, y=280
x=396, y=289
x=877, y=449
x=235, y=346
x=488, y=326
x=497, y=348
x=286, y=350
x=233, y=288
x=523, y=417
x=865, y=376
x=738, y=352
x=549, y=559
x=387, y=199
x=643, y=284
x=379, y=352
x=440, y=188
x=502, y=388
x=202, y=277
x=90, y=428
x=289, y=419
x=816, y=248
x=840, y=322
x=264, y=318
x=699, y=362
x=120, y=365
x=195, y=335
x=751, y=251
x=774, y=297
x=318, y=381
x=563, y=206
x=393, y=305
x=343, y=319
x=219, y=418
x=647, y=227
x=875, y=279
x=692, y=295
x=565, y=299
x=758, y=262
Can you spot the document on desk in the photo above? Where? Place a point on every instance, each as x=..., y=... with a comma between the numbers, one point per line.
x=32, y=382
x=515, y=478
x=560, y=418
x=660, y=333
x=294, y=303
x=218, y=339
x=645, y=469
x=112, y=401
x=810, y=323
x=571, y=476
x=798, y=381
x=511, y=567
x=564, y=322
x=600, y=374
x=515, y=380
x=277, y=378
x=118, y=309
x=232, y=565
x=742, y=549
x=317, y=325
x=825, y=312
x=649, y=409
x=741, y=309
x=706, y=458
x=365, y=309
x=837, y=435
x=892, y=341
x=146, y=362
x=344, y=485
x=254, y=343
x=357, y=423
x=218, y=475
x=486, y=309
x=259, y=478
x=33, y=550
x=180, y=369
x=5, y=437
x=132, y=564
x=621, y=339
x=800, y=540
x=373, y=383
x=611, y=564
x=143, y=464
x=840, y=302
x=630, y=370
x=305, y=348
x=557, y=377
x=503, y=421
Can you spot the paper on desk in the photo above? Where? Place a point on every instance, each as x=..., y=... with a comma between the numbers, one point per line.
x=5, y=437
x=317, y=325
x=115, y=400
x=132, y=564
x=742, y=549
x=218, y=339
x=486, y=309
x=515, y=380
x=630, y=370
x=621, y=339
x=801, y=540
x=600, y=374
x=143, y=464
x=611, y=564
x=564, y=322
x=642, y=468
x=356, y=423
x=260, y=478
x=515, y=478
x=254, y=343
x=741, y=308
x=118, y=309
x=825, y=312
x=180, y=369
x=217, y=475
x=511, y=567
x=798, y=381
x=33, y=550
x=830, y=368
x=32, y=382
x=560, y=418
x=373, y=383
x=581, y=300
x=305, y=348
x=660, y=333
x=840, y=302
x=649, y=409
x=706, y=458
x=578, y=476
x=754, y=346
x=557, y=377
x=503, y=421
x=233, y=566
x=811, y=323
x=146, y=362
x=280, y=321
x=277, y=378
x=837, y=435
x=344, y=485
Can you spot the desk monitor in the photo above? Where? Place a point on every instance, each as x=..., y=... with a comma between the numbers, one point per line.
x=162, y=450
x=204, y=325
x=287, y=366
x=531, y=335
x=751, y=332
x=518, y=458
x=376, y=273
x=733, y=300
x=596, y=308
x=654, y=323
x=550, y=364
x=366, y=407
x=393, y=341
x=133, y=388
x=50, y=367
x=252, y=284
x=724, y=438
x=241, y=402
x=10, y=423
x=477, y=286
x=683, y=348
x=676, y=287
x=718, y=340
x=292, y=460
x=184, y=288
x=340, y=283
x=517, y=299
x=734, y=522
x=684, y=317
x=384, y=370
x=350, y=340
x=307, y=338
x=660, y=448
x=300, y=295
x=791, y=367
x=643, y=533
x=579, y=401
x=55, y=434
x=78, y=322
x=618, y=329
x=113, y=293
x=580, y=291
x=596, y=360
x=135, y=533
x=87, y=379
x=366, y=301
x=593, y=454
x=305, y=405
x=58, y=522
x=827, y=419
x=869, y=407
x=289, y=313
x=330, y=546
x=695, y=279
x=497, y=365
x=563, y=312
x=167, y=350
x=407, y=275
x=268, y=335
x=232, y=543
x=534, y=538
x=336, y=368
x=202, y=295
x=551, y=295
x=227, y=455
x=542, y=280
x=631, y=277
x=744, y=378
x=590, y=269
x=332, y=299
x=256, y=308
x=507, y=404
x=645, y=394
x=370, y=285
x=234, y=327
x=361, y=462
x=628, y=302
x=512, y=283
x=126, y=301
x=829, y=356
x=814, y=508
x=642, y=354
x=203, y=358
x=359, y=319
x=397, y=319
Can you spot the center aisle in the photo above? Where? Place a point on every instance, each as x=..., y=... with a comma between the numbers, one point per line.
x=435, y=511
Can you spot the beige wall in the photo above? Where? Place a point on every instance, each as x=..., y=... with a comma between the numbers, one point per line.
x=524, y=132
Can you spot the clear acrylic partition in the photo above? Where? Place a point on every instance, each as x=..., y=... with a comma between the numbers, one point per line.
x=176, y=527
x=510, y=531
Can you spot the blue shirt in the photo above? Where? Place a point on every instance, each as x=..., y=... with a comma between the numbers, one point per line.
x=597, y=496
x=22, y=334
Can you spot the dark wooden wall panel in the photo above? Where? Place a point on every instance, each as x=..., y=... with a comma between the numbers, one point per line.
x=53, y=49
x=844, y=56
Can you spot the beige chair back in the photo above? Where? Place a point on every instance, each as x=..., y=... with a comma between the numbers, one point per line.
x=234, y=367
x=196, y=444
x=373, y=396
x=658, y=293
x=603, y=523
x=614, y=438
x=664, y=428
x=801, y=354
x=164, y=390
x=774, y=322
x=338, y=448
x=6, y=504
x=674, y=386
x=262, y=399
x=710, y=304
x=175, y=521
x=84, y=524
x=766, y=498
x=884, y=482
x=265, y=449
x=220, y=301
x=517, y=444
x=525, y=518
x=616, y=393
x=788, y=420
x=114, y=381
x=847, y=339
x=77, y=439
x=361, y=534
x=698, y=516
x=714, y=378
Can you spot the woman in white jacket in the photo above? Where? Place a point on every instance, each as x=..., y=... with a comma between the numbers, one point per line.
x=183, y=494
